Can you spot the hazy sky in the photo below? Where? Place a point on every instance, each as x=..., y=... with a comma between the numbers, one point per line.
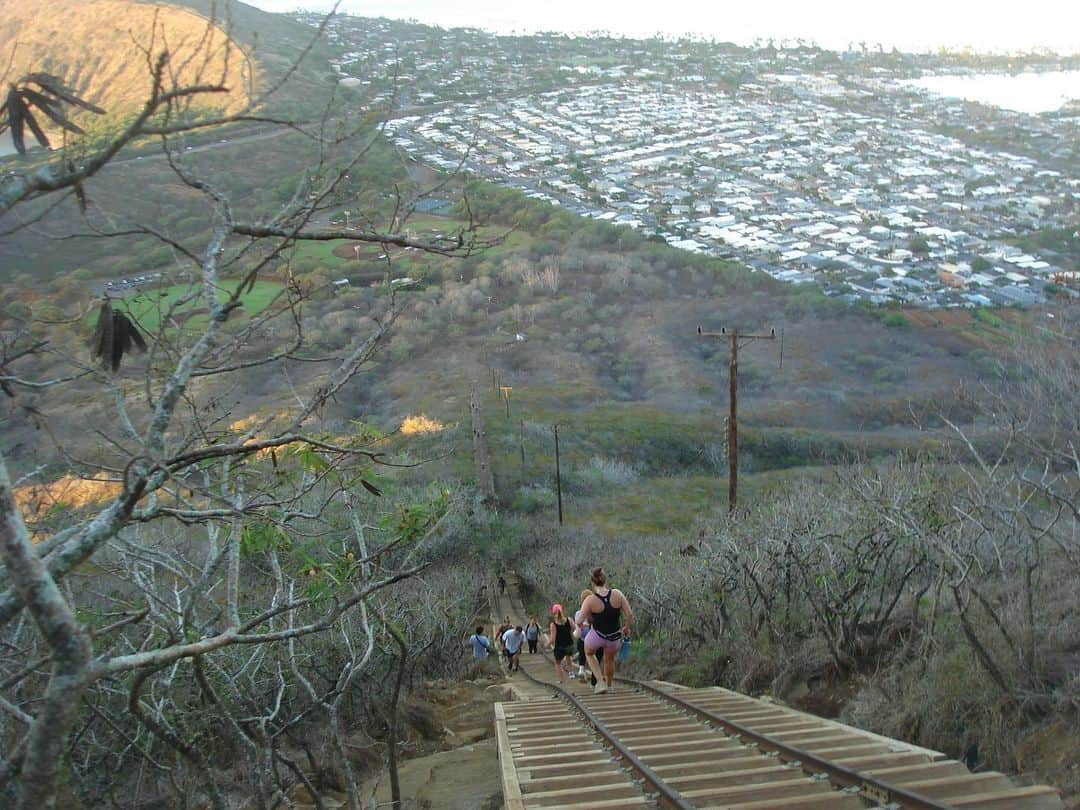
x=908, y=24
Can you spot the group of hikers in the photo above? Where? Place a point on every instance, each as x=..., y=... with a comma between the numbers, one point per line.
x=596, y=632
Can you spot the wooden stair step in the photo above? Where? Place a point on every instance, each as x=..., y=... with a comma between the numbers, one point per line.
x=1035, y=797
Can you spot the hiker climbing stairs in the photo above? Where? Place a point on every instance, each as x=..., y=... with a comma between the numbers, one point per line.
x=659, y=744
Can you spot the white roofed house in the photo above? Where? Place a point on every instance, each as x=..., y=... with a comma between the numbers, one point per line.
x=690, y=245
x=863, y=246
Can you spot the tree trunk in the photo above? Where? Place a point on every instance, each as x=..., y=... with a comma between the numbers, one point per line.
x=391, y=742
x=70, y=647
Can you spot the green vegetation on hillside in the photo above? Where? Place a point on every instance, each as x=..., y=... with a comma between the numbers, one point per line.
x=1057, y=244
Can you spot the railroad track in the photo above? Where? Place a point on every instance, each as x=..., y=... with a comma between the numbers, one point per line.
x=649, y=744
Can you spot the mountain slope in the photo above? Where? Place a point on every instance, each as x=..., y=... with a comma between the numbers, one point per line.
x=280, y=46
x=274, y=40
x=97, y=46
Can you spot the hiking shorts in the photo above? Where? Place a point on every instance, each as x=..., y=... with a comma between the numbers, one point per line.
x=562, y=652
x=594, y=641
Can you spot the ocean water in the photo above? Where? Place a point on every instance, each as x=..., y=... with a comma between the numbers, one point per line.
x=999, y=25
x=1025, y=92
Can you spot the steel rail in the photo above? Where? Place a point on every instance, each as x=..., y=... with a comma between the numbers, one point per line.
x=669, y=795
x=869, y=787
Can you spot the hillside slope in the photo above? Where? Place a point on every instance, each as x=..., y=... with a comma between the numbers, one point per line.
x=277, y=43
x=94, y=45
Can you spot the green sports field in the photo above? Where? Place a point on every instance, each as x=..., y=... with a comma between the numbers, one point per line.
x=148, y=307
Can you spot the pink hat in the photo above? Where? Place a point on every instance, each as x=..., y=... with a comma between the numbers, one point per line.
x=556, y=608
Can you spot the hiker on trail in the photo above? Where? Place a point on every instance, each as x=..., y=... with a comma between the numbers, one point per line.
x=482, y=648
x=532, y=634
x=512, y=640
x=502, y=628
x=605, y=604
x=561, y=640
x=581, y=619
x=502, y=584
x=481, y=644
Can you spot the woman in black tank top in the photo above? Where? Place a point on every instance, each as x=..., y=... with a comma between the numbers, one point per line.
x=605, y=606
x=561, y=639
x=606, y=622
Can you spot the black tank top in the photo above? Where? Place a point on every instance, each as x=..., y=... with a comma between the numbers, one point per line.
x=606, y=622
x=563, y=636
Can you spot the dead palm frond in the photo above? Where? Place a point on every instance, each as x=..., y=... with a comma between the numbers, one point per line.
x=45, y=94
x=115, y=336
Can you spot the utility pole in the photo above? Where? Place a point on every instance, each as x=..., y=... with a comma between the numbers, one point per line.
x=558, y=474
x=506, y=389
x=733, y=392
x=485, y=481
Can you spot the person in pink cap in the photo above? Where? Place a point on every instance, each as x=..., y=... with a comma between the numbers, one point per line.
x=561, y=641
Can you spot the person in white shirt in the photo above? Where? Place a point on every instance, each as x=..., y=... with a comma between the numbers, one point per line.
x=581, y=619
x=512, y=641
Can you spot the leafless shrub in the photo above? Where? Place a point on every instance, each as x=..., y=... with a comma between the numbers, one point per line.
x=602, y=473
x=546, y=277
x=227, y=592
x=947, y=593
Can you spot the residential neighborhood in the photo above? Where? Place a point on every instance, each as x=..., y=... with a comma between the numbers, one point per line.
x=809, y=170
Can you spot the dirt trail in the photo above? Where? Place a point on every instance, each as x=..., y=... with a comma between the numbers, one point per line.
x=466, y=776
x=451, y=758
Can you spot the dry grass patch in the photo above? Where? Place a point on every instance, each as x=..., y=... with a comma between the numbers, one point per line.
x=92, y=45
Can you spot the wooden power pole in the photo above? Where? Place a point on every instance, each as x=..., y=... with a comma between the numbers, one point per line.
x=733, y=399
x=485, y=481
x=505, y=391
x=558, y=474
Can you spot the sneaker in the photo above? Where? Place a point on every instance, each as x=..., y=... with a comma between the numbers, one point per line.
x=582, y=672
x=600, y=688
